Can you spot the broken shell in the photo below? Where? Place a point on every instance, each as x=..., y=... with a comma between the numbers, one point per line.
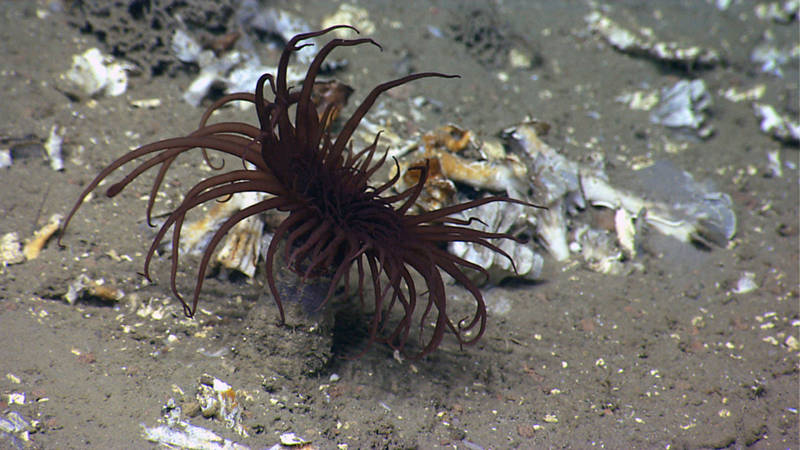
x=676, y=205
x=684, y=105
x=212, y=70
x=746, y=283
x=782, y=128
x=772, y=56
x=448, y=137
x=554, y=174
x=551, y=227
x=781, y=12
x=185, y=47
x=292, y=439
x=94, y=288
x=182, y=434
x=626, y=232
x=599, y=251
x=53, y=149
x=96, y=73
x=34, y=246
x=352, y=15
x=5, y=158
x=500, y=218
x=146, y=103
x=241, y=246
x=11, y=249
x=774, y=166
x=643, y=42
x=14, y=425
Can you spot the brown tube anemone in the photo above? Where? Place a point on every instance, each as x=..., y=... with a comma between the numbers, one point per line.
x=336, y=220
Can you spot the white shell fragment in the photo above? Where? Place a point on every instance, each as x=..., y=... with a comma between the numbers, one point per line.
x=16, y=424
x=95, y=73
x=746, y=283
x=684, y=105
x=146, y=103
x=212, y=70
x=292, y=439
x=774, y=166
x=185, y=47
x=241, y=246
x=599, y=250
x=779, y=11
x=626, y=232
x=185, y=435
x=771, y=57
x=500, y=218
x=52, y=148
x=643, y=42
x=11, y=249
x=5, y=158
x=558, y=188
x=353, y=15
x=782, y=128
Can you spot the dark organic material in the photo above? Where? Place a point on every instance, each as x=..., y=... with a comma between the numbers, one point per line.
x=337, y=220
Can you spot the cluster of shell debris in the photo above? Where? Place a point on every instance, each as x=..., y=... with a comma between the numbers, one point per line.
x=216, y=401
x=520, y=164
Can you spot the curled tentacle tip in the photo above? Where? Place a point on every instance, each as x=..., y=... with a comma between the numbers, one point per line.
x=114, y=189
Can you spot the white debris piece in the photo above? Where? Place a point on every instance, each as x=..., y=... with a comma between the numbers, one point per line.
x=252, y=14
x=187, y=436
x=774, y=167
x=241, y=246
x=746, y=283
x=779, y=11
x=5, y=158
x=96, y=73
x=500, y=217
x=642, y=41
x=356, y=16
x=53, y=149
x=772, y=56
x=185, y=47
x=780, y=127
x=11, y=249
x=292, y=439
x=684, y=105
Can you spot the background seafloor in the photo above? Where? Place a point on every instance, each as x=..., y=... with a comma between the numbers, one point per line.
x=667, y=357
